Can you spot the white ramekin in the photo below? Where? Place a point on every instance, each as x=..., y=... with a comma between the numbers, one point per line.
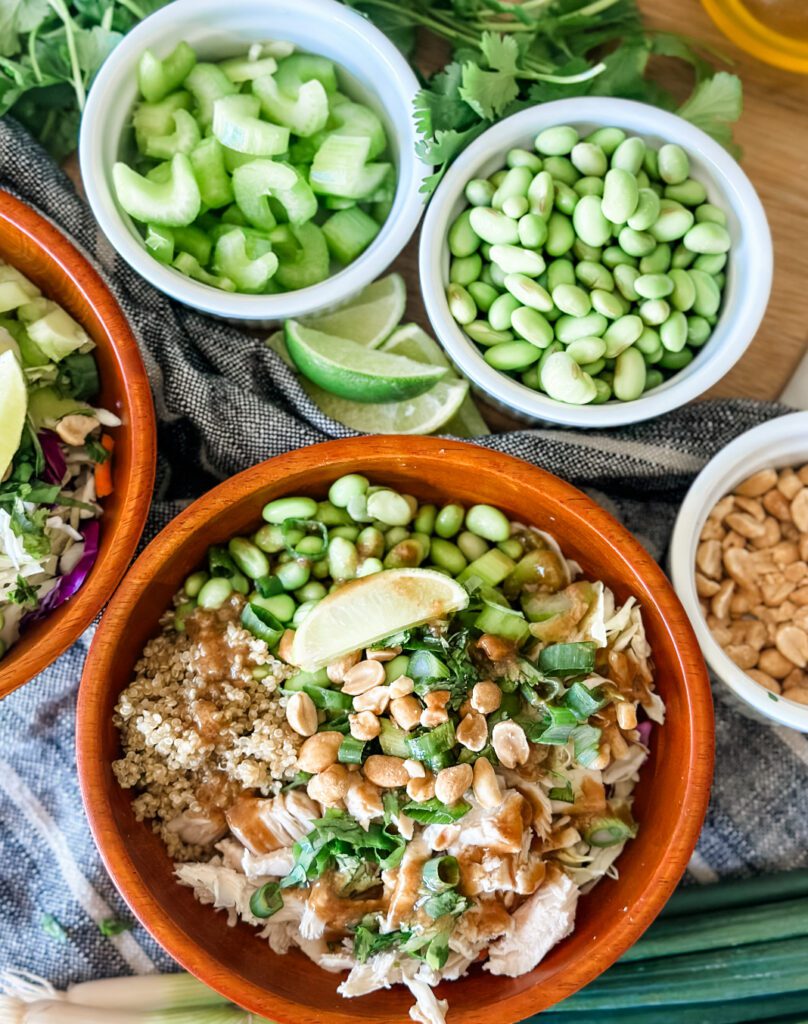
x=377, y=75
x=780, y=442
x=749, y=270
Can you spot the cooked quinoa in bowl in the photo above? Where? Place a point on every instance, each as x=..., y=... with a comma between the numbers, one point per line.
x=401, y=738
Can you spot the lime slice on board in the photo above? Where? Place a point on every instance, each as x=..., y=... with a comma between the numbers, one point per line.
x=353, y=371
x=13, y=408
x=409, y=340
x=366, y=610
x=369, y=317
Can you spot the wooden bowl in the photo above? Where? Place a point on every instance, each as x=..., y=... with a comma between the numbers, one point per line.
x=671, y=797
x=41, y=252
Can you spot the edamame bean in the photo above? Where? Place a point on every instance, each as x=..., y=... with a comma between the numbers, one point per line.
x=609, y=304
x=302, y=612
x=629, y=155
x=582, y=251
x=342, y=559
x=541, y=195
x=463, y=240
x=653, y=286
x=684, y=291
x=624, y=278
x=369, y=566
x=389, y=507
x=629, y=375
x=650, y=163
x=180, y=615
x=471, y=545
x=654, y=312
x=483, y=294
x=682, y=257
x=593, y=369
x=530, y=377
x=349, y=532
x=589, y=221
x=707, y=213
x=602, y=392
x=674, y=221
x=589, y=159
x=407, y=553
x=620, y=195
x=586, y=350
x=673, y=332
x=564, y=380
x=643, y=181
x=499, y=315
x=347, y=487
x=556, y=141
x=648, y=342
x=646, y=210
x=461, y=304
x=493, y=226
x=571, y=299
x=708, y=294
x=282, y=606
x=394, y=536
x=498, y=177
x=448, y=556
x=289, y=508
x=707, y=237
x=673, y=163
x=512, y=547
x=589, y=186
x=636, y=243
x=250, y=559
x=530, y=325
x=515, y=183
x=330, y=515
x=358, y=508
x=689, y=193
x=658, y=261
x=194, y=583
x=449, y=520
x=532, y=230
x=214, y=593
x=294, y=574
x=560, y=272
x=594, y=275
x=560, y=234
x=488, y=522
x=614, y=256
x=571, y=328
x=270, y=538
x=479, y=192
x=561, y=169
x=484, y=334
x=607, y=138
x=554, y=346
x=566, y=198
x=512, y=355
x=528, y=292
x=653, y=378
x=517, y=157
x=466, y=269
x=676, y=360
x=698, y=331
x=370, y=541
x=319, y=569
x=513, y=259
x=498, y=275
x=710, y=263
x=621, y=334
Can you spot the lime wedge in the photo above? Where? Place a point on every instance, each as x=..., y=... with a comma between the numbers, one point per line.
x=370, y=316
x=13, y=408
x=409, y=340
x=353, y=371
x=367, y=610
x=425, y=414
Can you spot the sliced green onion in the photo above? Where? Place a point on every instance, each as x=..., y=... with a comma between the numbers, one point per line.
x=261, y=623
x=609, y=831
x=433, y=812
x=424, y=665
x=393, y=741
x=267, y=900
x=437, y=952
x=269, y=586
x=437, y=741
x=220, y=563
x=566, y=659
x=441, y=873
x=351, y=751
x=329, y=700
x=564, y=793
x=448, y=902
x=291, y=527
x=586, y=742
x=304, y=679
x=584, y=702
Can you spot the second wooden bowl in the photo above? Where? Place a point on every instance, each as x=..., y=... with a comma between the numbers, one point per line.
x=671, y=797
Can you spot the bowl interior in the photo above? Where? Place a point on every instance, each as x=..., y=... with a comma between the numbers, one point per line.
x=42, y=253
x=370, y=69
x=779, y=443
x=746, y=275
x=292, y=988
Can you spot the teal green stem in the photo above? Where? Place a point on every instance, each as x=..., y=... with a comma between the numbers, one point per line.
x=61, y=10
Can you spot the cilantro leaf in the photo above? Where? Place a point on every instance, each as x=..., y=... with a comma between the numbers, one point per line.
x=30, y=527
x=489, y=92
x=715, y=105
x=18, y=17
x=23, y=593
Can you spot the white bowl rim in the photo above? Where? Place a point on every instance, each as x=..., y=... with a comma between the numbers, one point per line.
x=166, y=24
x=689, y=520
x=642, y=119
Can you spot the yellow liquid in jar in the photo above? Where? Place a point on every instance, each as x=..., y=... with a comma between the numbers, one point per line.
x=789, y=17
x=775, y=31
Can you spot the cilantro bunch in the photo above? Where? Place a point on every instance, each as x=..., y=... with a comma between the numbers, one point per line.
x=509, y=56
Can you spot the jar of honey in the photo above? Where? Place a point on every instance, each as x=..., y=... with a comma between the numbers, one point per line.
x=775, y=31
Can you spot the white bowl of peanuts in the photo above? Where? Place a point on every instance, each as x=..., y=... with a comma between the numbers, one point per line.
x=739, y=562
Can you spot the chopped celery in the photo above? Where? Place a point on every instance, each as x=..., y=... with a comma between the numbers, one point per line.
x=208, y=83
x=338, y=203
x=207, y=161
x=310, y=264
x=348, y=233
x=183, y=139
x=193, y=240
x=504, y=622
x=160, y=242
x=236, y=124
x=240, y=69
x=186, y=264
x=305, y=113
x=173, y=203
x=57, y=334
x=150, y=119
x=234, y=160
x=232, y=260
x=340, y=168
x=349, y=118
x=393, y=740
x=157, y=78
x=256, y=181
x=490, y=568
x=293, y=71
x=160, y=173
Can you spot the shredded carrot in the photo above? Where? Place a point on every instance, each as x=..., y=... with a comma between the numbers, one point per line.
x=103, y=470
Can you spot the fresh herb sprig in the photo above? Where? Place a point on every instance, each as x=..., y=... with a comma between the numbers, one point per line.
x=509, y=56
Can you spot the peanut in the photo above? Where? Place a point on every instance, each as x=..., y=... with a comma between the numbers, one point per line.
x=386, y=771
x=406, y=712
x=330, y=786
x=792, y=643
x=752, y=506
x=382, y=653
x=375, y=700
x=799, y=510
x=421, y=789
x=452, y=783
x=337, y=669
x=318, y=752
x=285, y=646
x=301, y=714
x=73, y=429
x=775, y=664
x=789, y=484
x=486, y=785
x=764, y=679
x=799, y=694
x=776, y=505
x=706, y=587
x=745, y=525
x=472, y=732
x=510, y=744
x=708, y=558
x=758, y=484
x=363, y=676
x=414, y=768
x=626, y=715
x=486, y=697
x=401, y=687
x=364, y=726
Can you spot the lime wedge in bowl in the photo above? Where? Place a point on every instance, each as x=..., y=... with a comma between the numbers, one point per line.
x=353, y=371
x=367, y=610
x=369, y=317
x=13, y=408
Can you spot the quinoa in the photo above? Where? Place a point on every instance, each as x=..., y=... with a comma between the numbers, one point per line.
x=198, y=728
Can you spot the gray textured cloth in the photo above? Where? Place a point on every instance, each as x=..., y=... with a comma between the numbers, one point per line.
x=224, y=402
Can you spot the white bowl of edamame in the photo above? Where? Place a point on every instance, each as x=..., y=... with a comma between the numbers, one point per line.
x=538, y=234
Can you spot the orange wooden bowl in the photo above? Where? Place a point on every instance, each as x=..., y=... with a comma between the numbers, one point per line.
x=41, y=252
x=671, y=797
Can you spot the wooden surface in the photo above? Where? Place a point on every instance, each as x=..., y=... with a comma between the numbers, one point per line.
x=671, y=797
x=773, y=132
